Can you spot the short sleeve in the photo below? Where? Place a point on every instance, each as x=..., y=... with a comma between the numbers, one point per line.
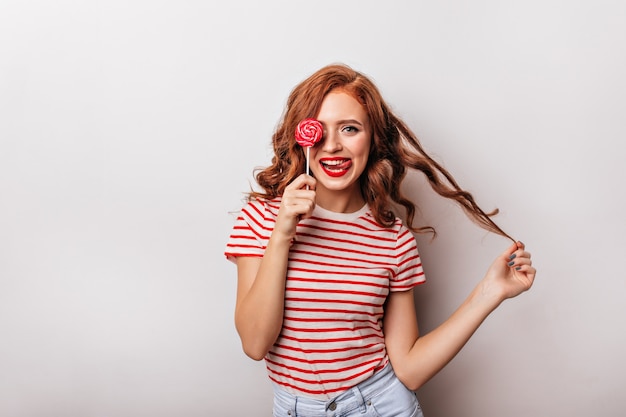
x=251, y=231
x=408, y=271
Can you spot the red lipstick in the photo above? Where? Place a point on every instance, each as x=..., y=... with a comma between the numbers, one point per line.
x=335, y=167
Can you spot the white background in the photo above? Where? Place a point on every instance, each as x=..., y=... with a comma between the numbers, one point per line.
x=128, y=135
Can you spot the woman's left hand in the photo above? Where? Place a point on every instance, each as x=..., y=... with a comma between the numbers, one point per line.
x=511, y=273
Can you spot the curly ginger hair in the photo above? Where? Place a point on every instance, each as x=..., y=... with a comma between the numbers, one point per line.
x=394, y=149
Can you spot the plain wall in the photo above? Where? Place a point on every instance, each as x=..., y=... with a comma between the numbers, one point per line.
x=128, y=135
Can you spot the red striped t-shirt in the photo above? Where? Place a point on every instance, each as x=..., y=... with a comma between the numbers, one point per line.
x=341, y=268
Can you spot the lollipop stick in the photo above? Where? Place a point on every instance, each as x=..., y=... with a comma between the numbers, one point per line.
x=307, y=160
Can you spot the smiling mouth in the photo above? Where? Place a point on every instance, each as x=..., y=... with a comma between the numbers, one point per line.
x=336, y=167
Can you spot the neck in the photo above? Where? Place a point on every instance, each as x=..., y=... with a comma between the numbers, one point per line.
x=340, y=201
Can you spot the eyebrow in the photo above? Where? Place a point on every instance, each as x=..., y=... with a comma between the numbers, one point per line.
x=346, y=121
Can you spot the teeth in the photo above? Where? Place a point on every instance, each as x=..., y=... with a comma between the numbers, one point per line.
x=333, y=163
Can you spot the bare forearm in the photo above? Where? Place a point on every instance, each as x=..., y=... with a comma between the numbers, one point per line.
x=417, y=359
x=433, y=351
x=259, y=315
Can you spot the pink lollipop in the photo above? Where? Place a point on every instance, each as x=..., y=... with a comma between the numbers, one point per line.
x=308, y=133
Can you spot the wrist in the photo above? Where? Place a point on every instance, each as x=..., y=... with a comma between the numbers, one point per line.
x=487, y=295
x=279, y=238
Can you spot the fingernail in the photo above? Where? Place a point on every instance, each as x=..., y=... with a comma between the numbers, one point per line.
x=517, y=268
x=511, y=263
x=512, y=256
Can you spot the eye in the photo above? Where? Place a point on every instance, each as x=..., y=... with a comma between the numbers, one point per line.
x=350, y=129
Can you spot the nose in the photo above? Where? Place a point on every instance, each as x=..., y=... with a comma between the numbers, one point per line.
x=331, y=142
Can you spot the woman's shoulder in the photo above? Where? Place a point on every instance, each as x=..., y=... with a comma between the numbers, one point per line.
x=396, y=224
x=265, y=207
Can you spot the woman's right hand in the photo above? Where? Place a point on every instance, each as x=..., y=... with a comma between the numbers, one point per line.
x=298, y=202
x=260, y=305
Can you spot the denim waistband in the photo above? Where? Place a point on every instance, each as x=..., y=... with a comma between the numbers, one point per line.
x=351, y=399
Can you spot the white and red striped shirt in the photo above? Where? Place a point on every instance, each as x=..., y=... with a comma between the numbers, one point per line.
x=341, y=268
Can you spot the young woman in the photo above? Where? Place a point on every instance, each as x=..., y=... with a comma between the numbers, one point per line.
x=326, y=270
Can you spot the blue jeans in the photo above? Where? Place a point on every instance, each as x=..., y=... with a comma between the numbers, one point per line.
x=382, y=395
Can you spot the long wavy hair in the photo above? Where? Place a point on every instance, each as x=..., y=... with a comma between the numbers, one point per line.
x=395, y=148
